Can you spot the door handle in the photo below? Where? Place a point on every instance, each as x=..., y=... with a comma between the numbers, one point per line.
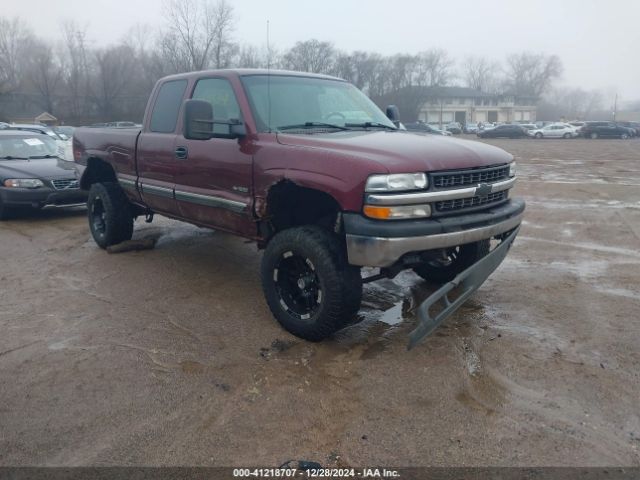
x=182, y=153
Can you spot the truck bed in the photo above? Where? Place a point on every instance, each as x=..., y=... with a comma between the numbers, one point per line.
x=114, y=145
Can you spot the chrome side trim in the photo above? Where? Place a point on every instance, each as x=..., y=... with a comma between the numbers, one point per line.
x=69, y=205
x=384, y=252
x=209, y=201
x=125, y=183
x=155, y=190
x=426, y=197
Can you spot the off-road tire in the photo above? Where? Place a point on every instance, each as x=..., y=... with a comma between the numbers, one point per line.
x=466, y=255
x=339, y=285
x=115, y=225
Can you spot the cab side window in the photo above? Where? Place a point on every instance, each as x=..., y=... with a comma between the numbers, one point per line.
x=165, y=111
x=219, y=93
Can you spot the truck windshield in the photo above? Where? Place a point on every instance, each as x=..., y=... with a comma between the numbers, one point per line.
x=282, y=102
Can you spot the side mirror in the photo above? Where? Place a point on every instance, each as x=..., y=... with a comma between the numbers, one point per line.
x=198, y=120
x=199, y=123
x=393, y=114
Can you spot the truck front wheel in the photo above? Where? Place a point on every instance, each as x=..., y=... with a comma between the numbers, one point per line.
x=308, y=284
x=454, y=261
x=109, y=211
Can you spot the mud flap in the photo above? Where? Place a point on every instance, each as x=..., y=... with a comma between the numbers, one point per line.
x=467, y=281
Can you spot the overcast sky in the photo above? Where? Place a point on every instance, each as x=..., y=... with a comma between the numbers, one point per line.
x=597, y=40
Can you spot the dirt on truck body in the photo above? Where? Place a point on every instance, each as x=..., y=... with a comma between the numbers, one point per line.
x=309, y=168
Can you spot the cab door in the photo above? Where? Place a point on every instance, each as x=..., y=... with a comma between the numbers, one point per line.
x=214, y=187
x=156, y=154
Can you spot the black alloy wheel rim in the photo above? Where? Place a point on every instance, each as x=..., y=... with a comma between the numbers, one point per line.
x=298, y=286
x=98, y=216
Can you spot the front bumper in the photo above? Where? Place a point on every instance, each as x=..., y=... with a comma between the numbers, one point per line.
x=462, y=287
x=42, y=197
x=380, y=243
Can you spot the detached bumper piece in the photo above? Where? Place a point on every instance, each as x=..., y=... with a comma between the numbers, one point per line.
x=467, y=282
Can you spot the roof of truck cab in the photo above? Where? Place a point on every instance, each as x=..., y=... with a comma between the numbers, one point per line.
x=245, y=72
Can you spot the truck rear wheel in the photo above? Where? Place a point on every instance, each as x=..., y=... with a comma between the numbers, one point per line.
x=109, y=212
x=308, y=284
x=455, y=261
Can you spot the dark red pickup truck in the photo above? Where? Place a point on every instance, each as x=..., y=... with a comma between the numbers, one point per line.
x=309, y=168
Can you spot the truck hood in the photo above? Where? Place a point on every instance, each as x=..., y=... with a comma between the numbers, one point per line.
x=45, y=168
x=400, y=151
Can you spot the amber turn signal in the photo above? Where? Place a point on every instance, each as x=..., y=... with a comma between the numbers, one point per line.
x=398, y=212
x=381, y=213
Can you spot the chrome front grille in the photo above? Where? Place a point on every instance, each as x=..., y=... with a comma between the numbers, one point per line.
x=462, y=178
x=471, y=202
x=66, y=184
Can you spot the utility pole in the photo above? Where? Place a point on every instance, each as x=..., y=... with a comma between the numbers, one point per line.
x=615, y=107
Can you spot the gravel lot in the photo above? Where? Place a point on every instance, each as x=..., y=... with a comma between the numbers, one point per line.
x=170, y=356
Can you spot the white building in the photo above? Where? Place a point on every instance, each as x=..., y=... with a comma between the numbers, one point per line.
x=463, y=105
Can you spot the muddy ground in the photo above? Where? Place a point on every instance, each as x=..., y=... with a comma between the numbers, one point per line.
x=170, y=356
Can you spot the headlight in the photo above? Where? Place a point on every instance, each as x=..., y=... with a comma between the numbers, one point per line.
x=397, y=182
x=401, y=212
x=512, y=169
x=23, y=183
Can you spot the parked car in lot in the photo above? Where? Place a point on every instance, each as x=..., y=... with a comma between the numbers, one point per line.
x=605, y=130
x=577, y=125
x=33, y=175
x=504, y=131
x=62, y=140
x=554, y=130
x=634, y=126
x=3, y=125
x=124, y=124
x=324, y=188
x=471, y=128
x=64, y=130
x=425, y=128
x=454, y=128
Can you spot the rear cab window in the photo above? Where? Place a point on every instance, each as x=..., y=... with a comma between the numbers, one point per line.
x=164, y=116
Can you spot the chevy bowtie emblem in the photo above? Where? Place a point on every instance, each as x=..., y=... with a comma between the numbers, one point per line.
x=483, y=189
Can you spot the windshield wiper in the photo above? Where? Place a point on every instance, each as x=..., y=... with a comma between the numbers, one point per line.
x=370, y=125
x=42, y=156
x=311, y=125
x=10, y=157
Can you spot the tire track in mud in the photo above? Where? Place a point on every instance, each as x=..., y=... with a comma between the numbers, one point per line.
x=489, y=391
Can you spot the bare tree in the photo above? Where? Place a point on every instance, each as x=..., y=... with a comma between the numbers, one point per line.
x=571, y=103
x=532, y=74
x=402, y=71
x=44, y=72
x=15, y=38
x=198, y=34
x=75, y=69
x=480, y=73
x=114, y=67
x=311, y=56
x=433, y=68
